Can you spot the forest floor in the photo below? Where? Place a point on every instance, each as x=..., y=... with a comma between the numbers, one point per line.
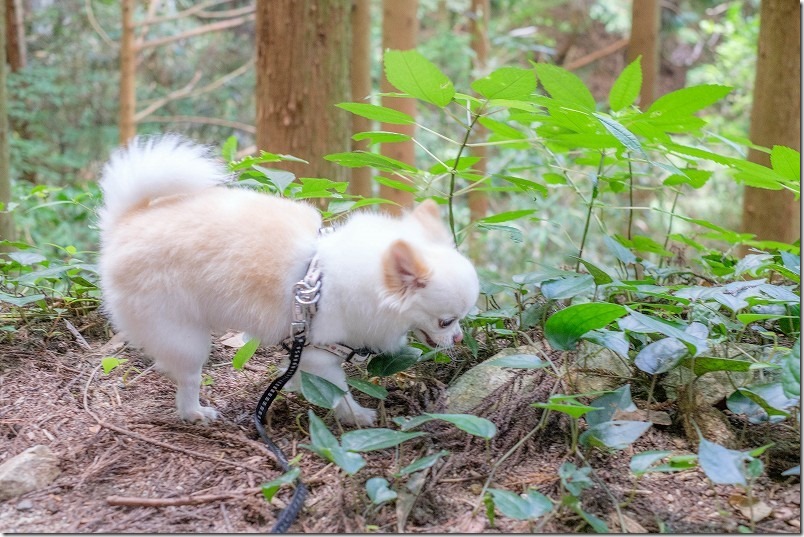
x=119, y=435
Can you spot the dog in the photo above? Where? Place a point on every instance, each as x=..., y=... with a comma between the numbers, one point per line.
x=183, y=255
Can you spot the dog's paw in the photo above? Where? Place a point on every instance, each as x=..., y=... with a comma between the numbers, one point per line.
x=201, y=415
x=355, y=415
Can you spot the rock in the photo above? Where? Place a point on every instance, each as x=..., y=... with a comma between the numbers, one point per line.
x=596, y=368
x=482, y=380
x=24, y=505
x=33, y=469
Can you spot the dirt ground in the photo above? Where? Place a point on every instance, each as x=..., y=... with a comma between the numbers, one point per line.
x=118, y=435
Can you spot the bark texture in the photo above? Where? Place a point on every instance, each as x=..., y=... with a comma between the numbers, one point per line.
x=479, y=37
x=6, y=222
x=360, y=182
x=645, y=25
x=128, y=70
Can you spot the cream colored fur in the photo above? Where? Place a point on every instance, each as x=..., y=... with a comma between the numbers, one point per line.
x=182, y=256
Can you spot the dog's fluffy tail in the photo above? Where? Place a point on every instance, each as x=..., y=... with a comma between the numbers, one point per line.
x=152, y=167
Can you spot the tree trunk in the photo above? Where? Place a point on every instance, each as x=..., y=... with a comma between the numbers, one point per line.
x=128, y=71
x=479, y=37
x=16, y=51
x=775, y=118
x=303, y=52
x=360, y=183
x=6, y=222
x=399, y=30
x=646, y=20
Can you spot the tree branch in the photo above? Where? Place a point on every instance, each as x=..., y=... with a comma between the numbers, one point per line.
x=203, y=120
x=596, y=55
x=212, y=27
x=153, y=5
x=201, y=6
x=226, y=13
x=94, y=22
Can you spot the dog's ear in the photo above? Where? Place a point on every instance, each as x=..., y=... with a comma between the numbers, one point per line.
x=404, y=271
x=427, y=214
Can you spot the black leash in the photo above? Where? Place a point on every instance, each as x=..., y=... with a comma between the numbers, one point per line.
x=289, y=514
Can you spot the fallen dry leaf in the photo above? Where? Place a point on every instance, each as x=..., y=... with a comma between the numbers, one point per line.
x=754, y=510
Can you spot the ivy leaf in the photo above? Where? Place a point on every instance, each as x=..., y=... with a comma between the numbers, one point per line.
x=618, y=434
x=625, y=89
x=506, y=83
x=378, y=491
x=564, y=328
x=722, y=466
x=319, y=391
x=529, y=506
x=565, y=86
x=609, y=403
x=410, y=72
x=377, y=113
x=661, y=356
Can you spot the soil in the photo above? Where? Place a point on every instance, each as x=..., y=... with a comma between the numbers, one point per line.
x=118, y=435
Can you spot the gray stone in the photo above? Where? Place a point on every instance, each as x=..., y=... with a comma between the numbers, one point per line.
x=24, y=505
x=482, y=380
x=33, y=469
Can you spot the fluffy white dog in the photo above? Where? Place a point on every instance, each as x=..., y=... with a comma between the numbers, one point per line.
x=182, y=255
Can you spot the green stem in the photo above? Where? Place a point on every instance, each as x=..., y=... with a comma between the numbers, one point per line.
x=630, y=196
x=589, y=211
x=454, y=172
x=670, y=225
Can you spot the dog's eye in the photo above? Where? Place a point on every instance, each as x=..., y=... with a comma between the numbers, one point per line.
x=444, y=323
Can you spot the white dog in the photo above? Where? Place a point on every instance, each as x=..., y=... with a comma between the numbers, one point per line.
x=182, y=255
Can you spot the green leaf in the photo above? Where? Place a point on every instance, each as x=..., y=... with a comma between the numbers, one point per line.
x=786, y=162
x=244, y=353
x=270, y=488
x=359, y=159
x=770, y=397
x=618, y=434
x=374, y=439
x=575, y=479
x=506, y=216
x=380, y=137
x=600, y=276
x=410, y=72
x=319, y=391
x=20, y=301
x=229, y=149
x=110, y=362
x=722, y=466
x=279, y=178
x=791, y=371
x=707, y=364
x=421, y=464
x=529, y=506
x=641, y=462
x=518, y=361
x=377, y=113
x=684, y=102
x=614, y=340
x=566, y=405
x=395, y=184
x=378, y=491
x=574, y=285
x=326, y=445
x=386, y=364
x=661, y=356
x=652, y=325
x=564, y=328
x=565, y=86
x=320, y=435
x=609, y=403
x=623, y=135
x=506, y=83
x=471, y=424
x=369, y=388
x=626, y=88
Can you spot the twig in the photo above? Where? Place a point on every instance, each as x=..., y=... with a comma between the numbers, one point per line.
x=596, y=55
x=225, y=13
x=172, y=96
x=78, y=337
x=203, y=120
x=96, y=26
x=212, y=27
x=153, y=6
x=159, y=443
x=134, y=501
x=182, y=14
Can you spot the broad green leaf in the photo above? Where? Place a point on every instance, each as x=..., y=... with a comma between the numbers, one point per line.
x=609, y=403
x=378, y=491
x=661, y=356
x=791, y=371
x=601, y=276
x=244, y=353
x=564, y=328
x=380, y=137
x=513, y=233
x=410, y=72
x=575, y=479
x=386, y=364
x=617, y=434
x=611, y=339
x=270, y=488
x=320, y=435
x=770, y=397
x=566, y=405
x=421, y=464
x=529, y=506
x=653, y=324
x=518, y=361
x=685, y=101
x=506, y=216
x=407, y=424
x=20, y=301
x=625, y=89
x=707, y=364
x=722, y=466
x=473, y=425
x=565, y=86
x=359, y=159
x=786, y=162
x=374, y=439
x=229, y=149
x=569, y=287
x=319, y=391
x=349, y=461
x=642, y=461
x=623, y=254
x=279, y=178
x=369, y=388
x=326, y=445
x=377, y=113
x=506, y=83
x=623, y=135
x=26, y=258
x=110, y=362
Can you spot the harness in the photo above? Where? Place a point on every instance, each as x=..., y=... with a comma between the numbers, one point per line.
x=307, y=293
